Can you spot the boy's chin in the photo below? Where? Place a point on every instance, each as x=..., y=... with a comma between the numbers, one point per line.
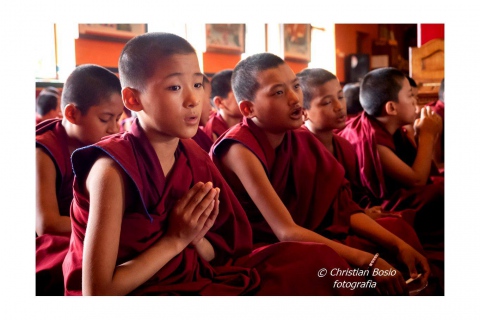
x=188, y=134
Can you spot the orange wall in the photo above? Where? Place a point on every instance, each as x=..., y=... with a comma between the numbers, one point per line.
x=103, y=53
x=346, y=43
x=214, y=62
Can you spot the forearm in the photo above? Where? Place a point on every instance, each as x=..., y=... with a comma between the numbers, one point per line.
x=205, y=249
x=131, y=274
x=59, y=225
x=366, y=227
x=354, y=257
x=423, y=161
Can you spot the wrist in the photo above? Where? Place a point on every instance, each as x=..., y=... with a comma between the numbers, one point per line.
x=371, y=264
x=196, y=242
x=176, y=244
x=426, y=137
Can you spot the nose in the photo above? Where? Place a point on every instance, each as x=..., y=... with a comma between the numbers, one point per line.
x=294, y=97
x=337, y=106
x=192, y=97
x=114, y=127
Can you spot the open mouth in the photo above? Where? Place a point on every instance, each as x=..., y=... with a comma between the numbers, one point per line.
x=192, y=120
x=297, y=113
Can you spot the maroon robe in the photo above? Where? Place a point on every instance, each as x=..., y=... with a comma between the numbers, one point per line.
x=426, y=202
x=272, y=270
x=215, y=125
x=312, y=186
x=345, y=155
x=322, y=204
x=51, y=137
x=203, y=140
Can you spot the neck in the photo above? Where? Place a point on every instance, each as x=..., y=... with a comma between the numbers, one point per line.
x=324, y=136
x=275, y=139
x=388, y=124
x=231, y=121
x=72, y=141
x=164, y=146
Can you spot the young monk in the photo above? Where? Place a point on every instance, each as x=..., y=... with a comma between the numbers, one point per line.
x=223, y=99
x=152, y=215
x=91, y=105
x=393, y=168
x=203, y=140
x=325, y=105
x=291, y=187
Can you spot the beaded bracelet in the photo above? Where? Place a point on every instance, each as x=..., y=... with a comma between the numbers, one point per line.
x=374, y=259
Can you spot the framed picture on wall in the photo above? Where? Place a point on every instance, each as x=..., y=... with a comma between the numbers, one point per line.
x=111, y=32
x=226, y=38
x=297, y=42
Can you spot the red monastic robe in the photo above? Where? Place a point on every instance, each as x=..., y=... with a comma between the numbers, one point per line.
x=282, y=269
x=307, y=178
x=215, y=125
x=203, y=140
x=51, y=249
x=311, y=184
x=427, y=202
x=304, y=174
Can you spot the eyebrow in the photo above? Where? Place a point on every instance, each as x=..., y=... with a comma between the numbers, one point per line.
x=175, y=74
x=282, y=85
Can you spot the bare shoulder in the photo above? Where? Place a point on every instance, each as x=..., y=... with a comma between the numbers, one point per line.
x=235, y=153
x=105, y=173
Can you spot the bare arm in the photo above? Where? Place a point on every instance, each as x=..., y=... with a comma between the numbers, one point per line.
x=106, y=187
x=253, y=177
x=428, y=127
x=48, y=218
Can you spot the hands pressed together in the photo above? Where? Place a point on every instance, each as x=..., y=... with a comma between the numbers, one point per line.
x=194, y=214
x=428, y=123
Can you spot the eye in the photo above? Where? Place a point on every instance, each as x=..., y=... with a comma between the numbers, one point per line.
x=326, y=102
x=104, y=121
x=297, y=86
x=174, y=88
x=198, y=85
x=340, y=97
x=278, y=93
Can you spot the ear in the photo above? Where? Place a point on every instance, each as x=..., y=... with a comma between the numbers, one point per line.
x=246, y=108
x=391, y=108
x=217, y=100
x=305, y=115
x=71, y=113
x=131, y=100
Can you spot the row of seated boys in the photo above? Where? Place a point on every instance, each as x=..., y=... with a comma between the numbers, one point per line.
x=152, y=214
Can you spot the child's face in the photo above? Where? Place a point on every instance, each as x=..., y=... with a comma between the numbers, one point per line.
x=100, y=120
x=172, y=99
x=406, y=104
x=277, y=106
x=328, y=108
x=206, y=106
